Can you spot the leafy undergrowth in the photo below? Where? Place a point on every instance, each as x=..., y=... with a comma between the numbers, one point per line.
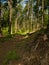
x=22, y=50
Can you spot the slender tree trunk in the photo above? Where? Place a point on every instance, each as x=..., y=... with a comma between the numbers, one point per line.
x=37, y=13
x=16, y=25
x=42, y=13
x=10, y=16
x=29, y=14
x=48, y=19
x=31, y=22
x=0, y=21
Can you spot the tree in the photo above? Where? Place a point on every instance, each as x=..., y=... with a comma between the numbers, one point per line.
x=18, y=16
x=42, y=13
x=10, y=16
x=5, y=13
x=13, y=4
x=29, y=12
x=47, y=7
x=37, y=12
x=0, y=21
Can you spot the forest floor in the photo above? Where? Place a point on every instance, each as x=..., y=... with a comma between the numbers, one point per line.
x=30, y=49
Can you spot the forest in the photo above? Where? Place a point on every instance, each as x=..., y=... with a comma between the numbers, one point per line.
x=24, y=32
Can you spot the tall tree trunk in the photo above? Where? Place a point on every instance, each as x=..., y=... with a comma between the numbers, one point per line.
x=16, y=25
x=37, y=13
x=0, y=21
x=29, y=14
x=48, y=19
x=42, y=13
x=10, y=16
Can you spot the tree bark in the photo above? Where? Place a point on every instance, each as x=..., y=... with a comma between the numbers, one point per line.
x=48, y=19
x=10, y=16
x=29, y=14
x=37, y=13
x=42, y=13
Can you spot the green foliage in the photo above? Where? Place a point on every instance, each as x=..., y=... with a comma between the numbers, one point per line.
x=46, y=3
x=11, y=55
x=5, y=31
x=14, y=3
x=46, y=20
x=5, y=17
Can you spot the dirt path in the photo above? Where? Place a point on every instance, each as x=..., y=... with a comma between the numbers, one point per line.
x=30, y=51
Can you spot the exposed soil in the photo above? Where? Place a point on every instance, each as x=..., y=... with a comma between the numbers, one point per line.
x=33, y=51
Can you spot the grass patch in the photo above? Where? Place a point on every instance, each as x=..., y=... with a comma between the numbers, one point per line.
x=5, y=31
x=12, y=55
x=23, y=32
